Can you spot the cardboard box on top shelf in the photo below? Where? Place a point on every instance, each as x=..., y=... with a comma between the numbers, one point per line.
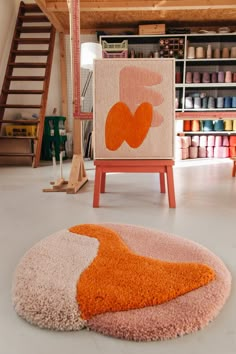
x=159, y=28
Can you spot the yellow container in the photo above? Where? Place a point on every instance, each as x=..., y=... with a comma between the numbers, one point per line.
x=21, y=130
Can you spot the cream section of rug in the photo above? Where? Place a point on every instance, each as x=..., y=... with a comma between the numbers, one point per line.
x=44, y=285
x=185, y=314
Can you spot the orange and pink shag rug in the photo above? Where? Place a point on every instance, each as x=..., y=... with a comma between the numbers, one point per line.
x=120, y=280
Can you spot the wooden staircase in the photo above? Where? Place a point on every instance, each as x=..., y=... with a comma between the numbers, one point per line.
x=32, y=30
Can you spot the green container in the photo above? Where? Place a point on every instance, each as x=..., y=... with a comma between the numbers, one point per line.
x=54, y=138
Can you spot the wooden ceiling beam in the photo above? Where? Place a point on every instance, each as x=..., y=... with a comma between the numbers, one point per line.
x=152, y=5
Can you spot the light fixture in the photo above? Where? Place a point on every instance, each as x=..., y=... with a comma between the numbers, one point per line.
x=89, y=52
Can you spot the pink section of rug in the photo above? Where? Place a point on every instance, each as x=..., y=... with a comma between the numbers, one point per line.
x=183, y=315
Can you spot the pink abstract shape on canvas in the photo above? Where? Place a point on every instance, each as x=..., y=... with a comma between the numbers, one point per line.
x=135, y=88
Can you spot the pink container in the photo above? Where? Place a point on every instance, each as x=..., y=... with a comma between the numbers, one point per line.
x=218, y=141
x=211, y=140
x=195, y=140
x=202, y=151
x=203, y=141
x=210, y=151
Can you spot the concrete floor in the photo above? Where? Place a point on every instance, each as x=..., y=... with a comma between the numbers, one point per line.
x=205, y=213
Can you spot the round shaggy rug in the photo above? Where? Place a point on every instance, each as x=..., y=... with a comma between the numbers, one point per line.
x=120, y=280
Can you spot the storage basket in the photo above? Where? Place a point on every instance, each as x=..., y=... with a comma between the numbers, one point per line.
x=115, y=47
x=21, y=130
x=123, y=54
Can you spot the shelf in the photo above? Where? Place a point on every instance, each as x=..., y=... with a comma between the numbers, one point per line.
x=208, y=85
x=207, y=133
x=182, y=89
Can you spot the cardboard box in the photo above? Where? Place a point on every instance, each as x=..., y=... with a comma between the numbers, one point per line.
x=152, y=29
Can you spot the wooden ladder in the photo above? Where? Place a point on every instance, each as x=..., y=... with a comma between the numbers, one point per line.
x=32, y=29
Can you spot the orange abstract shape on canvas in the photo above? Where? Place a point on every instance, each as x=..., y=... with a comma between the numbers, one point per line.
x=120, y=280
x=136, y=86
x=122, y=125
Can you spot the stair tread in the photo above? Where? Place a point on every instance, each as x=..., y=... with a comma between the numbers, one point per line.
x=32, y=40
x=28, y=65
x=26, y=78
x=20, y=121
x=34, y=29
x=20, y=106
x=31, y=8
x=30, y=52
x=33, y=18
x=23, y=92
x=20, y=154
x=4, y=137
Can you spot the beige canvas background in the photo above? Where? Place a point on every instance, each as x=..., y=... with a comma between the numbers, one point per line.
x=159, y=142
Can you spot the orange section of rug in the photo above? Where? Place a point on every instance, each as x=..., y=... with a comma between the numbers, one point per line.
x=122, y=125
x=120, y=280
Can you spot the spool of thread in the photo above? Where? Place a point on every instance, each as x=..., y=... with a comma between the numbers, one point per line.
x=234, y=124
x=218, y=141
x=228, y=124
x=193, y=152
x=227, y=102
x=216, y=53
x=219, y=125
x=195, y=140
x=208, y=125
x=196, y=77
x=189, y=77
x=234, y=102
x=228, y=76
x=187, y=125
x=185, y=153
x=191, y=53
x=225, y=141
x=200, y=53
x=221, y=76
x=196, y=123
x=210, y=151
x=225, y=52
x=211, y=140
x=203, y=141
x=202, y=152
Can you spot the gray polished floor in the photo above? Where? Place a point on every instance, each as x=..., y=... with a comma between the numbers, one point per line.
x=205, y=213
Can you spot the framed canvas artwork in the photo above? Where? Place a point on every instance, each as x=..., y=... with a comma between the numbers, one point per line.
x=134, y=108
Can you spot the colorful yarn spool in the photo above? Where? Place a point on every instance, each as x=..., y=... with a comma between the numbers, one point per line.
x=218, y=141
x=195, y=140
x=210, y=151
x=203, y=141
x=225, y=141
x=234, y=124
x=193, y=152
x=219, y=125
x=202, y=151
x=187, y=125
x=228, y=124
x=211, y=140
x=208, y=125
x=185, y=153
x=232, y=140
x=195, y=125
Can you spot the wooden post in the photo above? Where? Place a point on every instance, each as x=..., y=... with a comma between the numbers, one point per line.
x=64, y=100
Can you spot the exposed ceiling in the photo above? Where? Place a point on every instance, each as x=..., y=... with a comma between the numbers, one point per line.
x=114, y=16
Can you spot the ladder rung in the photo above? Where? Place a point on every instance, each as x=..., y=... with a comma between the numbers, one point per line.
x=28, y=65
x=20, y=106
x=17, y=154
x=20, y=121
x=26, y=78
x=23, y=92
x=31, y=18
x=32, y=40
x=30, y=52
x=34, y=29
